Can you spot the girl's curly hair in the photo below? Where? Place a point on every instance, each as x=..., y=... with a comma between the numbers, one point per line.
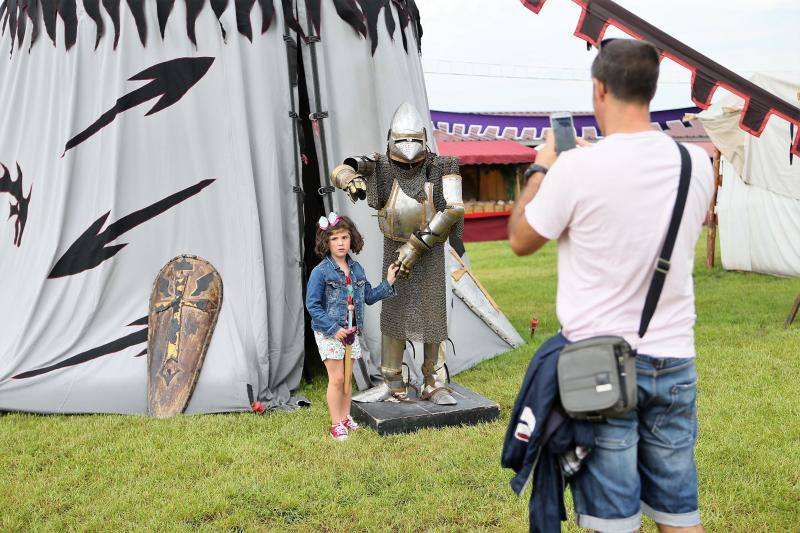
x=322, y=247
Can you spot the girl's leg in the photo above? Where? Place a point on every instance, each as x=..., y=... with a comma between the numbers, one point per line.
x=335, y=393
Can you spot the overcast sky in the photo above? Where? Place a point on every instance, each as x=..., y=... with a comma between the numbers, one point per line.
x=495, y=55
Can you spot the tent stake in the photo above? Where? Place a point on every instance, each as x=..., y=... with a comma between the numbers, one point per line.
x=793, y=312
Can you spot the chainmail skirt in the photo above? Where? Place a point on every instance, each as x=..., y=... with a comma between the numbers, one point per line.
x=419, y=310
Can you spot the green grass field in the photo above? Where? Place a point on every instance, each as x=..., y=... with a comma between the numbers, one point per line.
x=280, y=471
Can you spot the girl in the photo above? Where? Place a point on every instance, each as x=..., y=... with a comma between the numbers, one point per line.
x=335, y=296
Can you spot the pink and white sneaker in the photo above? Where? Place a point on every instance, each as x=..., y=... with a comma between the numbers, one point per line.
x=350, y=424
x=339, y=432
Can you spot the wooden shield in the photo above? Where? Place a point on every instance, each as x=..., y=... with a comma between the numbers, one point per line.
x=184, y=306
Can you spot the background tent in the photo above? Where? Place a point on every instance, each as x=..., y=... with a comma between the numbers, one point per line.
x=131, y=132
x=758, y=203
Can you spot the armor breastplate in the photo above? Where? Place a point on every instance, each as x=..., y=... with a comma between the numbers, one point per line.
x=403, y=215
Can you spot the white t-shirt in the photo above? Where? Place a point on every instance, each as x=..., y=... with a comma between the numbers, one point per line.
x=609, y=206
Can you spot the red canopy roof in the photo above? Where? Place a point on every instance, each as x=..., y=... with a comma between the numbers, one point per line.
x=477, y=152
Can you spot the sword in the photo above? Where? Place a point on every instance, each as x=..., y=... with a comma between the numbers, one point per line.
x=348, y=369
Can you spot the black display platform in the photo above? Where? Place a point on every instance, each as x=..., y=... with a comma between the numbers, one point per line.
x=389, y=418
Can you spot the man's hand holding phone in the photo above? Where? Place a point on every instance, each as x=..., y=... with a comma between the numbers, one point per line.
x=546, y=153
x=559, y=138
x=564, y=131
x=523, y=239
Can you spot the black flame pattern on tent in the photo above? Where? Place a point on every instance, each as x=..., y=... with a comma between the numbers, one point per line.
x=707, y=75
x=361, y=15
x=17, y=14
x=132, y=339
x=93, y=246
x=19, y=207
x=169, y=82
x=365, y=20
x=349, y=11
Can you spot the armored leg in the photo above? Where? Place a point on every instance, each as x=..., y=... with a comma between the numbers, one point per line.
x=392, y=363
x=435, y=388
x=392, y=369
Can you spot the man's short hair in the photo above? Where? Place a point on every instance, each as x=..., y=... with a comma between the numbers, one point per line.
x=628, y=68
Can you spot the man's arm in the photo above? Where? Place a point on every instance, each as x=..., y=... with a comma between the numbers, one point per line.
x=521, y=236
x=524, y=240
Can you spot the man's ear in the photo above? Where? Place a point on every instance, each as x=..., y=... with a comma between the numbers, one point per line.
x=600, y=90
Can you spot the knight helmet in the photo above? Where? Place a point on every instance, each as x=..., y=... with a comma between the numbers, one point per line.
x=407, y=139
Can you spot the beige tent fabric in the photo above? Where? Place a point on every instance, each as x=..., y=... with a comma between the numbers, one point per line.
x=767, y=162
x=722, y=126
x=757, y=229
x=758, y=204
x=758, y=160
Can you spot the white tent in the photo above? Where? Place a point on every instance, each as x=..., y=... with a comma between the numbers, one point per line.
x=137, y=131
x=758, y=203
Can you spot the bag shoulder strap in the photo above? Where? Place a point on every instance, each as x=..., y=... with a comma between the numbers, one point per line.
x=662, y=265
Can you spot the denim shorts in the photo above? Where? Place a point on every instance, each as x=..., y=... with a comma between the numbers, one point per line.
x=644, y=462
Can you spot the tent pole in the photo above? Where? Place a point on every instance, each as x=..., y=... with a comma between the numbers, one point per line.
x=318, y=115
x=292, y=48
x=793, y=312
x=711, y=217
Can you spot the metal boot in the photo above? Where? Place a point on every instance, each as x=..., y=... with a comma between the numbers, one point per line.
x=392, y=369
x=434, y=388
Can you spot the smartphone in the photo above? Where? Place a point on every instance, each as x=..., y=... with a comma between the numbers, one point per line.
x=563, y=130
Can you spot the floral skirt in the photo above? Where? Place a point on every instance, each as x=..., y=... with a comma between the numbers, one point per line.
x=330, y=348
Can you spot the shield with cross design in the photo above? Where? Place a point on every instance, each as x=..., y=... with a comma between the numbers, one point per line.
x=184, y=306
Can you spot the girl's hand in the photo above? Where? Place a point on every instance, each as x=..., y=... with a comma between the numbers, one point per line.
x=341, y=334
x=391, y=273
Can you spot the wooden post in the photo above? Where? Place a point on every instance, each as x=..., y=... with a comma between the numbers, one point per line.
x=711, y=217
x=793, y=312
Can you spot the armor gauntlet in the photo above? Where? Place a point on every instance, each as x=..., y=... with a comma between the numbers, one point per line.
x=409, y=254
x=350, y=176
x=438, y=230
x=345, y=177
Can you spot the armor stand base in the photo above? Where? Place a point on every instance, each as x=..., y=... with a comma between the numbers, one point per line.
x=389, y=418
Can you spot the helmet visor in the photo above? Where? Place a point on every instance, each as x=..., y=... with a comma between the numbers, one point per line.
x=408, y=146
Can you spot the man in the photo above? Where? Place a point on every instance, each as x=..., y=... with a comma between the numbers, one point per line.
x=609, y=206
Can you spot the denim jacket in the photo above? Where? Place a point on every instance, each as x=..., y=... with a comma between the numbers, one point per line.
x=326, y=295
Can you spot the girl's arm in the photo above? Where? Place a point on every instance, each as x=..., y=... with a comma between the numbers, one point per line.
x=315, y=303
x=382, y=291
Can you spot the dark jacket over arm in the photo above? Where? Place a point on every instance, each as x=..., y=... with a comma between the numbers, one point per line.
x=538, y=434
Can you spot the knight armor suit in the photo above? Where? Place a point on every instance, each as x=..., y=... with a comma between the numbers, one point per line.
x=418, y=198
